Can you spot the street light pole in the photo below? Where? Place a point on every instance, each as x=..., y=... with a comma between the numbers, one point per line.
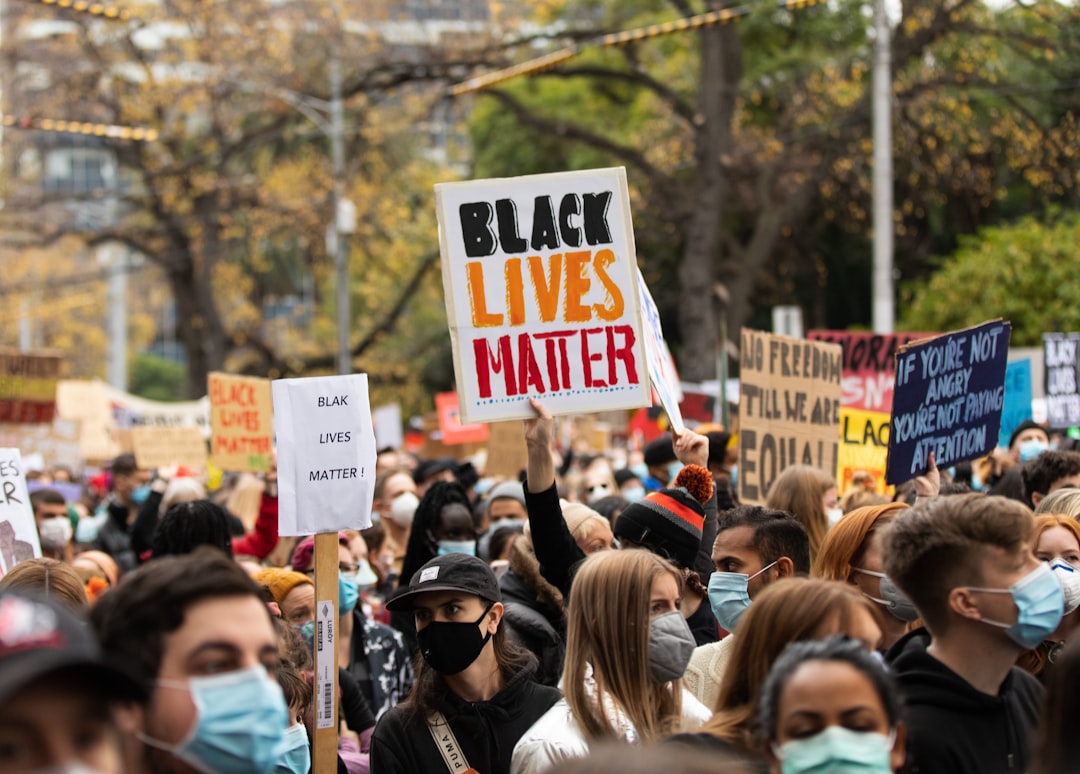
x=884, y=311
x=342, y=226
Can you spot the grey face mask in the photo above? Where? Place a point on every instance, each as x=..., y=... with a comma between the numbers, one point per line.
x=671, y=644
x=892, y=598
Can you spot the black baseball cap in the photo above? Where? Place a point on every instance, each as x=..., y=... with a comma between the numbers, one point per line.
x=39, y=637
x=453, y=572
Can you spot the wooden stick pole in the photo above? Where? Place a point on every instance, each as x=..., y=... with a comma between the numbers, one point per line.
x=324, y=758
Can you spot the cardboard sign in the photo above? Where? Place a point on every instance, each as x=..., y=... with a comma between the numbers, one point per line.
x=241, y=422
x=453, y=432
x=18, y=531
x=326, y=454
x=1017, y=406
x=662, y=373
x=28, y=386
x=132, y=411
x=56, y=442
x=789, y=409
x=540, y=276
x=160, y=447
x=1061, y=353
x=506, y=452
x=864, y=446
x=87, y=402
x=869, y=365
x=948, y=399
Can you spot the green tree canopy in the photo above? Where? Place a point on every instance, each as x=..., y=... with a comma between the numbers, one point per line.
x=1024, y=272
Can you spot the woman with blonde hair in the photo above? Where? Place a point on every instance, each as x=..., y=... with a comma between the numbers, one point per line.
x=809, y=494
x=1066, y=501
x=851, y=554
x=789, y=610
x=627, y=647
x=1057, y=542
x=50, y=578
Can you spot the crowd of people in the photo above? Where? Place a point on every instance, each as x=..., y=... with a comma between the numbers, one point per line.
x=601, y=612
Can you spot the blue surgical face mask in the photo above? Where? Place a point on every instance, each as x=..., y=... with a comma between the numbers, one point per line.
x=1040, y=601
x=728, y=596
x=673, y=469
x=239, y=720
x=139, y=494
x=977, y=484
x=837, y=749
x=348, y=593
x=733, y=473
x=634, y=494
x=294, y=754
x=1032, y=448
x=641, y=470
x=456, y=547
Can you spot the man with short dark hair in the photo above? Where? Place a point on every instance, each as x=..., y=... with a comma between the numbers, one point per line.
x=1050, y=471
x=966, y=563
x=130, y=487
x=195, y=628
x=754, y=546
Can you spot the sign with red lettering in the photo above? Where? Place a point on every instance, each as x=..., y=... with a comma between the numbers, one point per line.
x=241, y=422
x=28, y=387
x=869, y=365
x=540, y=275
x=18, y=530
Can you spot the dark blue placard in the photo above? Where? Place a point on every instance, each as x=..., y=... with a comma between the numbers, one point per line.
x=948, y=398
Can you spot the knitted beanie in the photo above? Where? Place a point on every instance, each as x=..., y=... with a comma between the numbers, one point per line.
x=280, y=582
x=303, y=556
x=669, y=522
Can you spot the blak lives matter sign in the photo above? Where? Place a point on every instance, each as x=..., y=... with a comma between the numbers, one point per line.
x=789, y=409
x=948, y=399
x=1062, y=379
x=540, y=276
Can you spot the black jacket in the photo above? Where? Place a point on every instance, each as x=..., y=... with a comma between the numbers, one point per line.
x=486, y=731
x=955, y=728
x=533, y=626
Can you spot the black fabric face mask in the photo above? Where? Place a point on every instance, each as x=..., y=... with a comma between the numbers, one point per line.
x=450, y=647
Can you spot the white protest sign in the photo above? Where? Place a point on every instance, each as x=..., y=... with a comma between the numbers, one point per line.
x=665, y=379
x=540, y=276
x=387, y=421
x=326, y=454
x=18, y=531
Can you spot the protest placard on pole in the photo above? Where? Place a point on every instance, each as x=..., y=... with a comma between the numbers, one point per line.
x=864, y=446
x=789, y=408
x=28, y=386
x=540, y=276
x=326, y=454
x=387, y=421
x=947, y=400
x=451, y=429
x=1062, y=383
x=241, y=423
x=18, y=531
x=1017, y=406
x=662, y=373
x=160, y=447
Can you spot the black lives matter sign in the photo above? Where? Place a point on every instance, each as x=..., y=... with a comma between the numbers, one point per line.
x=1061, y=352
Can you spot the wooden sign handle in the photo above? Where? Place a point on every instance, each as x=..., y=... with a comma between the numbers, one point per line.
x=324, y=752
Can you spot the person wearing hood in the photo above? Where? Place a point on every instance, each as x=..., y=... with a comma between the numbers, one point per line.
x=966, y=562
x=474, y=694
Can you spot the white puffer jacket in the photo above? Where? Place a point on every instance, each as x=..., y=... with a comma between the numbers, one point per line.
x=556, y=737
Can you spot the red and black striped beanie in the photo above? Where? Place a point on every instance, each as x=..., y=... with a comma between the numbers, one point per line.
x=669, y=522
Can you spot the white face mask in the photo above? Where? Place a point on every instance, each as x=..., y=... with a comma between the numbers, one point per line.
x=55, y=533
x=403, y=508
x=833, y=515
